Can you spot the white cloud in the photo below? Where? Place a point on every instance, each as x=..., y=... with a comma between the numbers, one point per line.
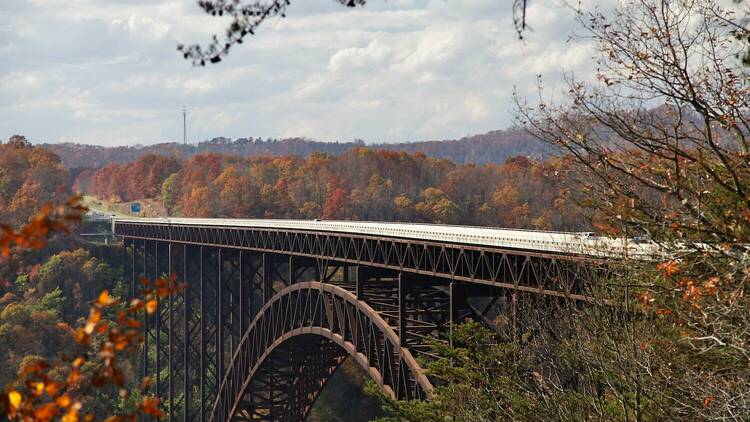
x=372, y=55
x=106, y=71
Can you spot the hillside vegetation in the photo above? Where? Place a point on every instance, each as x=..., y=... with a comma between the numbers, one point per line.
x=491, y=147
x=29, y=177
x=361, y=184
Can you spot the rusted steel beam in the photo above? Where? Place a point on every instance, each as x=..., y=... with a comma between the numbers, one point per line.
x=535, y=272
x=258, y=340
x=323, y=310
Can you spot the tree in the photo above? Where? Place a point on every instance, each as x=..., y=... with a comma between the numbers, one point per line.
x=170, y=193
x=741, y=30
x=661, y=148
x=45, y=389
x=437, y=207
x=478, y=379
x=80, y=276
x=29, y=178
x=26, y=329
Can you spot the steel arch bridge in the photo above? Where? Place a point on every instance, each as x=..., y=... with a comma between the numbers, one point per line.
x=272, y=307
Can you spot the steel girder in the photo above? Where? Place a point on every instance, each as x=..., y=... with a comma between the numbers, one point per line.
x=535, y=272
x=190, y=338
x=266, y=318
x=321, y=310
x=289, y=380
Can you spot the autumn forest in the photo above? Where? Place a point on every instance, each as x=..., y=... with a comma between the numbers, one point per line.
x=640, y=159
x=361, y=184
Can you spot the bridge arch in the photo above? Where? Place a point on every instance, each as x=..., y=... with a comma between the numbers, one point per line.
x=307, y=316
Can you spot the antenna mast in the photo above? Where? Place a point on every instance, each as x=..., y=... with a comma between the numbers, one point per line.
x=184, y=126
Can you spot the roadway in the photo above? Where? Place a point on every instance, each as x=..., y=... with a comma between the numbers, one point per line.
x=573, y=243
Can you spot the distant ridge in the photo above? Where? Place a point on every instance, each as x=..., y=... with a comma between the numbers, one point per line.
x=492, y=147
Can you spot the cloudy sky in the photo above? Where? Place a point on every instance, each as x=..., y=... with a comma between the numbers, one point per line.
x=107, y=71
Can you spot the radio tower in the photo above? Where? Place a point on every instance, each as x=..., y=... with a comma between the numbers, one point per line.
x=184, y=127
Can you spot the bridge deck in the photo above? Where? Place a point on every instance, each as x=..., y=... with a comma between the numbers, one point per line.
x=528, y=240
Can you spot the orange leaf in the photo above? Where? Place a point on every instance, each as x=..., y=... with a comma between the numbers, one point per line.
x=668, y=268
x=74, y=377
x=63, y=401
x=52, y=388
x=151, y=306
x=149, y=407
x=105, y=299
x=646, y=298
x=46, y=412
x=95, y=315
x=81, y=336
x=132, y=323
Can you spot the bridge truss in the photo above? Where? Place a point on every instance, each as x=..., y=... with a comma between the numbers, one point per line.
x=268, y=315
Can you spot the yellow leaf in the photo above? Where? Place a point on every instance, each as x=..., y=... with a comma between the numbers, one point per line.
x=15, y=399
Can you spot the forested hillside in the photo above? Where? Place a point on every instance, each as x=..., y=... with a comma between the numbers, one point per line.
x=491, y=147
x=361, y=184
x=47, y=286
x=29, y=177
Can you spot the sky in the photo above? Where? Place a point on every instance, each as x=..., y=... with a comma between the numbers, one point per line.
x=107, y=71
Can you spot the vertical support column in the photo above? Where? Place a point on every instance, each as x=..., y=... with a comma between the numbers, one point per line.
x=252, y=276
x=133, y=292
x=249, y=273
x=360, y=278
x=231, y=307
x=210, y=327
x=186, y=312
x=170, y=342
x=162, y=323
x=145, y=318
x=513, y=305
x=203, y=339
x=452, y=309
x=267, y=282
x=292, y=273
x=219, y=352
x=127, y=264
x=157, y=323
x=402, y=290
x=242, y=294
